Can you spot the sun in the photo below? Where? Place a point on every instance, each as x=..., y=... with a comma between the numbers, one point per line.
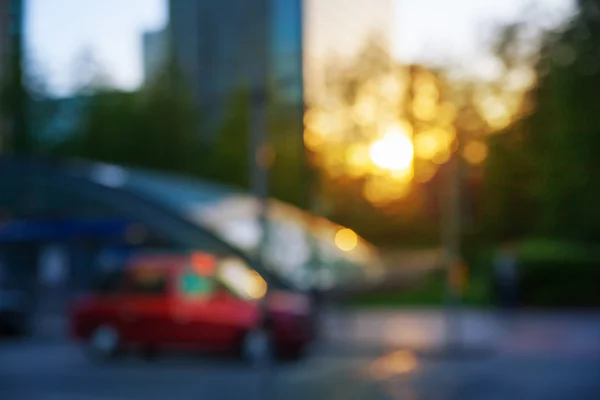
x=394, y=151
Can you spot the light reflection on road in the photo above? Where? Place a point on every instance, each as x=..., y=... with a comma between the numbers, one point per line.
x=412, y=332
x=396, y=363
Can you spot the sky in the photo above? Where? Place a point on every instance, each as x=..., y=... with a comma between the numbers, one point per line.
x=457, y=30
x=60, y=31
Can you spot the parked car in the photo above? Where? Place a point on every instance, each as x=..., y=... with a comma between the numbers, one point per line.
x=15, y=306
x=191, y=301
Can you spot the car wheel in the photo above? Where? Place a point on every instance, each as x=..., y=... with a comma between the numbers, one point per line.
x=104, y=343
x=257, y=347
x=149, y=353
x=295, y=354
x=17, y=327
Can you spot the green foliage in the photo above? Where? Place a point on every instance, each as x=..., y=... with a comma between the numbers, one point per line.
x=429, y=293
x=539, y=250
x=543, y=176
x=508, y=207
x=230, y=161
x=288, y=178
x=14, y=99
x=169, y=125
x=555, y=273
x=159, y=128
x=154, y=128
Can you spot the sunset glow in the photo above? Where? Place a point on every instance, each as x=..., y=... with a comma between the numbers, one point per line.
x=393, y=152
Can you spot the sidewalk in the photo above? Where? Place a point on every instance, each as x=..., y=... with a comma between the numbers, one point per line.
x=521, y=334
x=524, y=332
x=406, y=268
x=531, y=355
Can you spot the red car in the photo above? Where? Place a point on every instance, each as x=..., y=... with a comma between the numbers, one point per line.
x=192, y=301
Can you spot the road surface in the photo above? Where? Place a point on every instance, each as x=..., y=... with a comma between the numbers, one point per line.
x=532, y=357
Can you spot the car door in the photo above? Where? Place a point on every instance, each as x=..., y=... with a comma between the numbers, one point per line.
x=145, y=309
x=209, y=313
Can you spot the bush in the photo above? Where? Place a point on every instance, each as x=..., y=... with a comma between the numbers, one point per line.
x=559, y=283
x=558, y=274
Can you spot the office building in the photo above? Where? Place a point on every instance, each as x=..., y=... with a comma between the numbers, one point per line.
x=11, y=23
x=154, y=52
x=5, y=37
x=4, y=45
x=223, y=45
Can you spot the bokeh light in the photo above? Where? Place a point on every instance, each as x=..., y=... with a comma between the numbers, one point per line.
x=382, y=190
x=424, y=108
x=346, y=239
x=475, y=152
x=396, y=363
x=442, y=157
x=257, y=287
x=364, y=111
x=313, y=140
x=393, y=152
x=426, y=146
x=446, y=113
x=425, y=172
x=358, y=162
x=402, y=175
x=241, y=279
x=495, y=112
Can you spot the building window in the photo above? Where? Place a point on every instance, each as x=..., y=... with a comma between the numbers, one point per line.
x=286, y=49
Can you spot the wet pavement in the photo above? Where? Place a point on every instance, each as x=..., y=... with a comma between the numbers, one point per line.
x=377, y=355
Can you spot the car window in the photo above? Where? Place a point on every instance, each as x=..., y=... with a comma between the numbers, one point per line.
x=147, y=282
x=192, y=284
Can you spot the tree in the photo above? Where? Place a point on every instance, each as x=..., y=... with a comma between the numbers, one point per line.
x=14, y=101
x=156, y=127
x=564, y=128
x=169, y=124
x=365, y=99
x=542, y=175
x=229, y=158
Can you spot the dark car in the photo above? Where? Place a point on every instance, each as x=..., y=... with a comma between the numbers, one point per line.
x=15, y=306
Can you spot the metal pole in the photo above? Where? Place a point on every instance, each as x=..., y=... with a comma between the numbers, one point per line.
x=259, y=140
x=260, y=161
x=451, y=228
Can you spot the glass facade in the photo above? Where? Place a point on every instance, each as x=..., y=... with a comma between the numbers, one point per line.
x=221, y=44
x=292, y=240
x=286, y=49
x=152, y=211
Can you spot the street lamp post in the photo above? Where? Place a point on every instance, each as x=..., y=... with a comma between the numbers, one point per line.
x=451, y=228
x=260, y=162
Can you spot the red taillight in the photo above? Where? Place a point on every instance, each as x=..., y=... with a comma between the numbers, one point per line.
x=203, y=264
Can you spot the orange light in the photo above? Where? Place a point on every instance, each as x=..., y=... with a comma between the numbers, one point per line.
x=257, y=287
x=425, y=172
x=346, y=239
x=397, y=363
x=394, y=151
x=203, y=264
x=475, y=152
x=426, y=146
